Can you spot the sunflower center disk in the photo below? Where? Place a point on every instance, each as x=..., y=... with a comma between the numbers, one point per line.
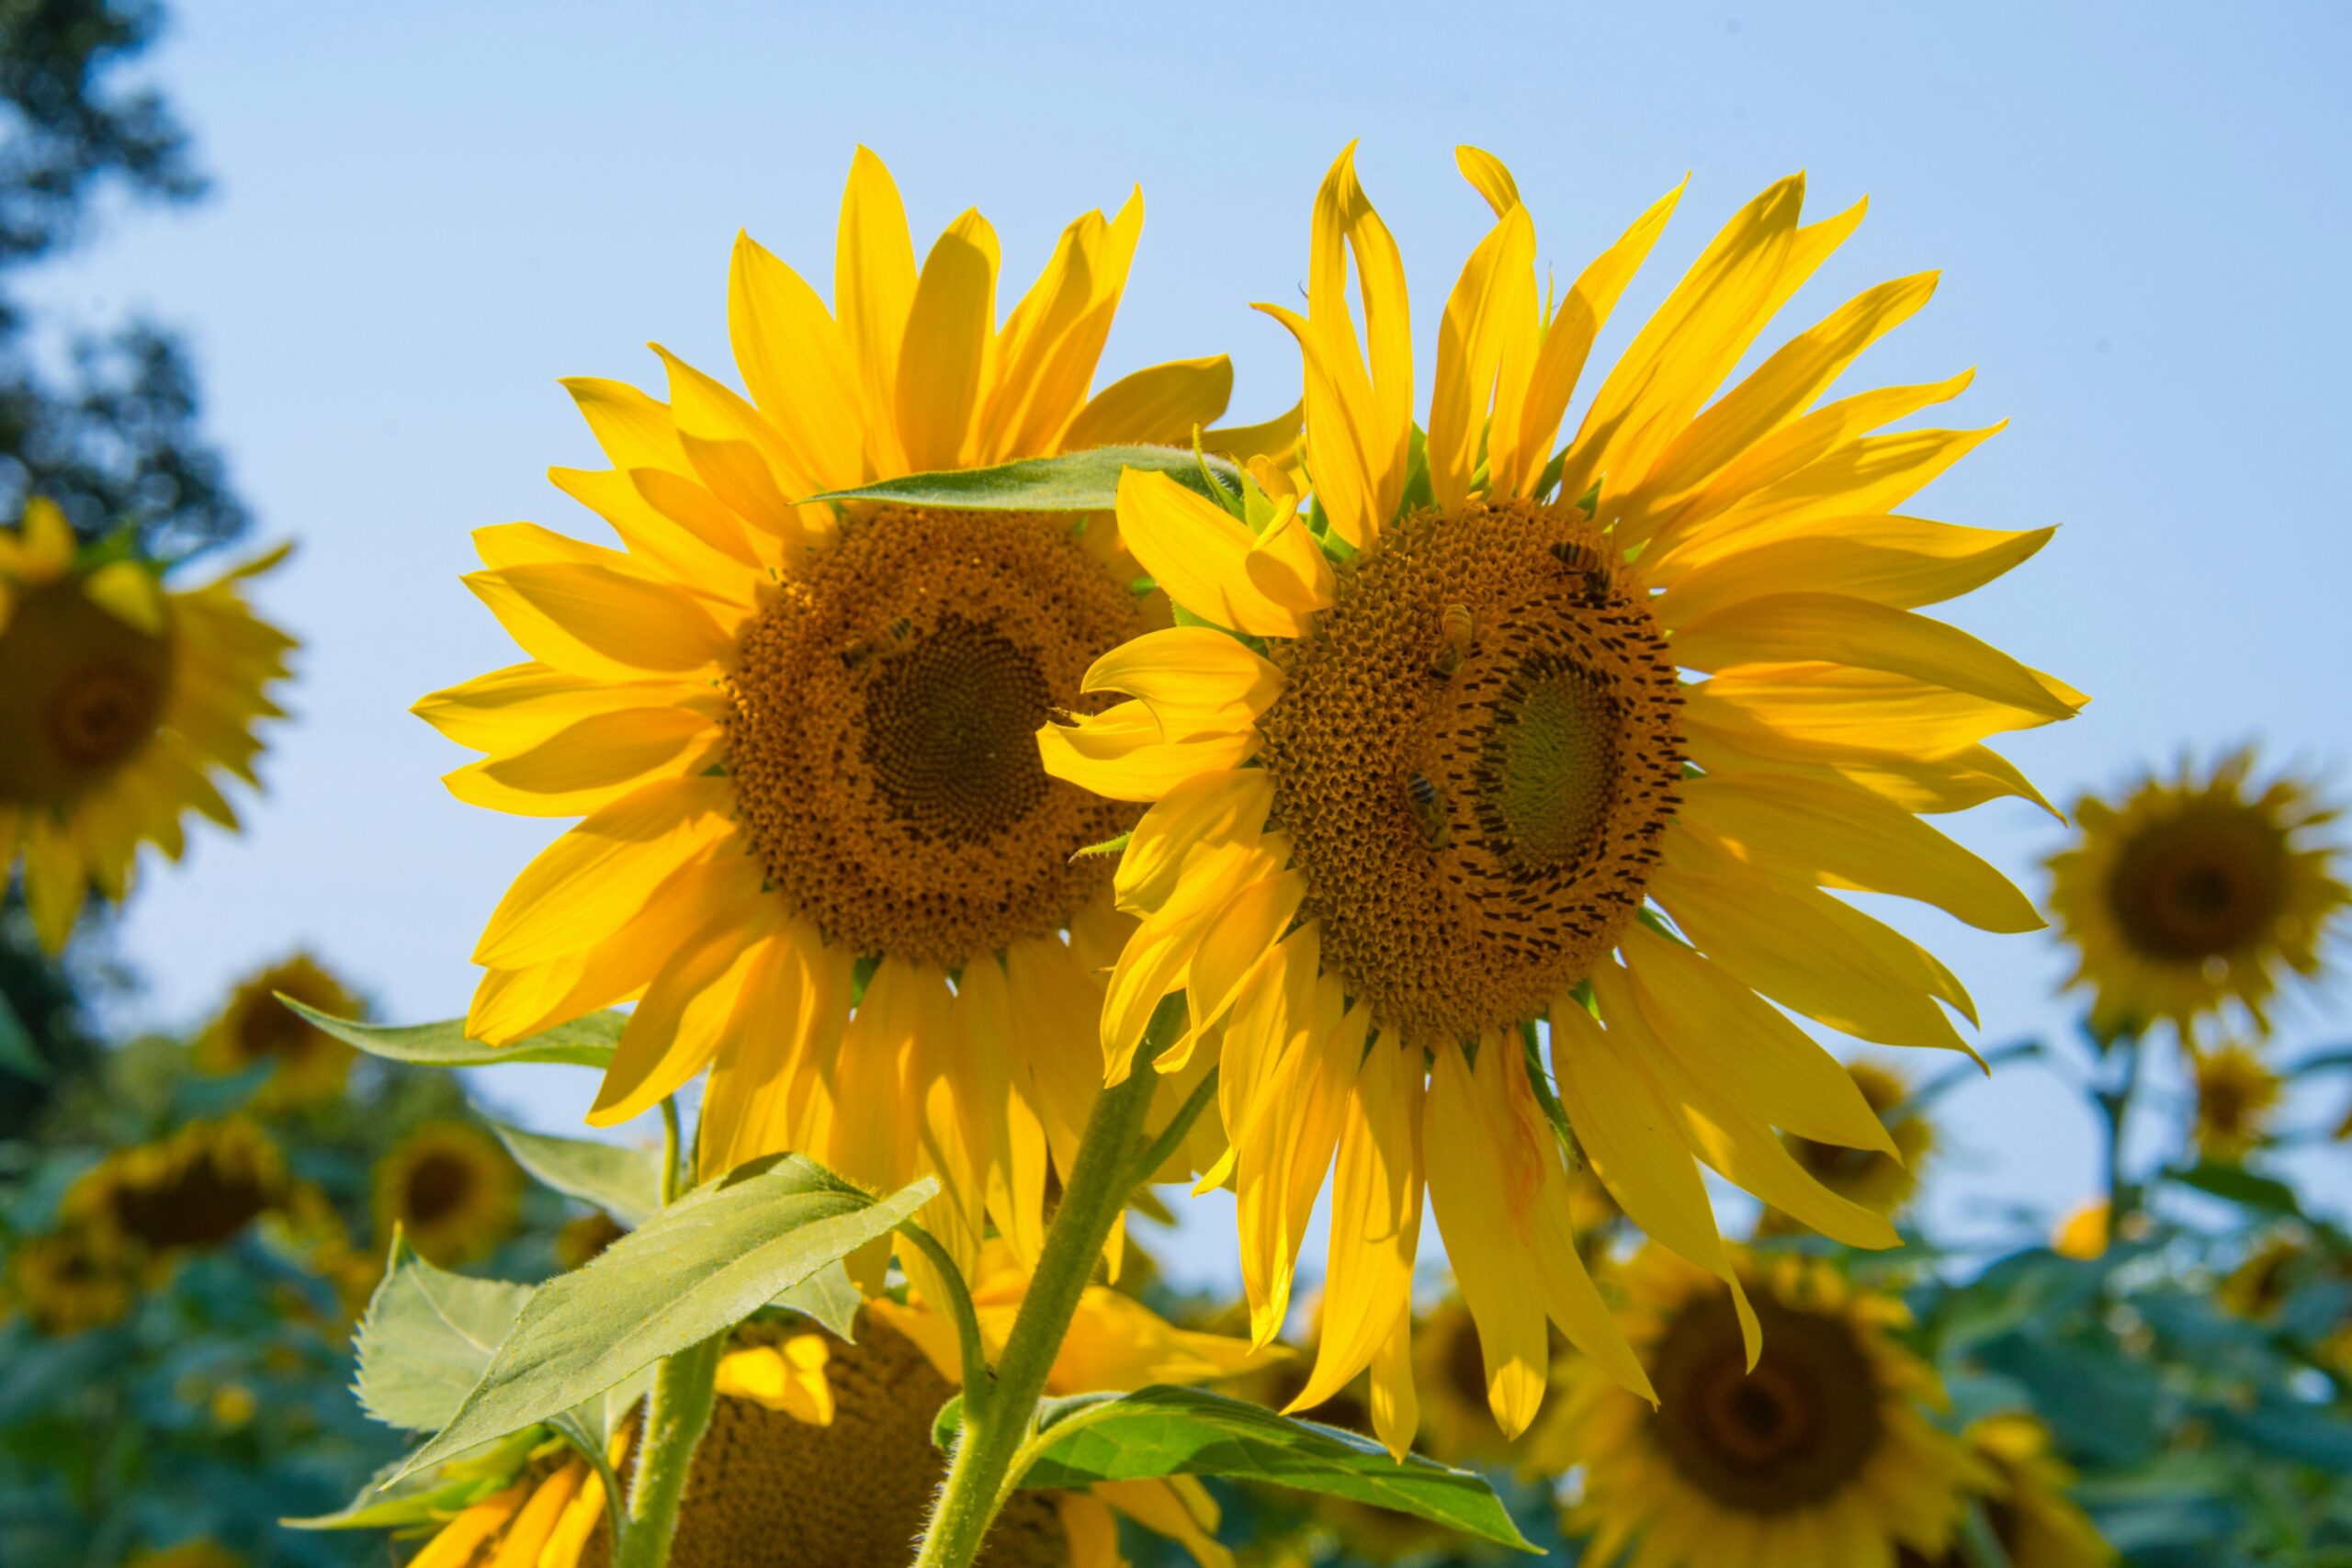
x=883, y=733
x=2198, y=886
x=1793, y=1432
x=438, y=1187
x=1476, y=752
x=81, y=691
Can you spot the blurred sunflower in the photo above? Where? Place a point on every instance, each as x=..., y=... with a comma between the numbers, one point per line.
x=821, y=1452
x=2194, y=893
x=1817, y=1453
x=1879, y=1182
x=1442, y=801
x=120, y=701
x=819, y=845
x=197, y=1553
x=1449, y=1381
x=196, y=1189
x=63, y=1282
x=2236, y=1093
x=586, y=1237
x=255, y=1027
x=451, y=1189
x=2037, y=1525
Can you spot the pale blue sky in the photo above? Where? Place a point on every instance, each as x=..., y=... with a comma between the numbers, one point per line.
x=426, y=213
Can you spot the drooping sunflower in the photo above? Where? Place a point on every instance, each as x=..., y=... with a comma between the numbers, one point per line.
x=2236, y=1093
x=1879, y=1182
x=818, y=844
x=819, y=1453
x=2026, y=1506
x=451, y=1189
x=122, y=702
x=1818, y=1452
x=255, y=1027
x=2189, y=898
x=196, y=1189
x=1424, y=768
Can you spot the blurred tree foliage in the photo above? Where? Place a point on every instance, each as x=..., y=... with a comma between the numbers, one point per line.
x=101, y=418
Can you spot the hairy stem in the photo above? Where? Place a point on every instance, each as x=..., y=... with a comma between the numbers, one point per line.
x=676, y=1413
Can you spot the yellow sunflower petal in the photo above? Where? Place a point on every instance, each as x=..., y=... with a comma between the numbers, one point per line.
x=599, y=621
x=585, y=883
x=1781, y=627
x=874, y=288
x=1196, y=668
x=1493, y=303
x=1489, y=176
x=1630, y=1130
x=1484, y=1176
x=1159, y=406
x=951, y=326
x=1199, y=553
x=1375, y=1220
x=796, y=365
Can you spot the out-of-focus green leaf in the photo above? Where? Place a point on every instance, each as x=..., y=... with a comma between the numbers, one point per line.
x=2101, y=1406
x=2242, y=1187
x=1163, y=1430
x=17, y=1054
x=623, y=1180
x=425, y=1338
x=1075, y=481
x=698, y=1268
x=828, y=1297
x=584, y=1043
x=2287, y=1429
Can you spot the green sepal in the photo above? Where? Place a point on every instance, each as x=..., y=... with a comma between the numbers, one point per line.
x=1075, y=481
x=584, y=1043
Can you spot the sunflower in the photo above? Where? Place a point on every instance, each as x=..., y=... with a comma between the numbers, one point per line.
x=197, y=1553
x=2026, y=1505
x=2193, y=894
x=451, y=1189
x=1449, y=1381
x=64, y=1283
x=818, y=844
x=120, y=701
x=193, y=1192
x=586, y=1237
x=819, y=1453
x=255, y=1027
x=1879, y=1182
x=1817, y=1453
x=2236, y=1092
x=1465, y=783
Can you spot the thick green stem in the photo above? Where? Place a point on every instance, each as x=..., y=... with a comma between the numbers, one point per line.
x=676, y=1413
x=1092, y=1199
x=673, y=1184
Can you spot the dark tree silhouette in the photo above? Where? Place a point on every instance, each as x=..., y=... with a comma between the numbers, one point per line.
x=102, y=420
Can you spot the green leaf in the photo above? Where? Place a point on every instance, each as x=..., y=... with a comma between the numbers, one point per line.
x=584, y=1043
x=1076, y=482
x=1163, y=1430
x=623, y=1180
x=18, y=1054
x=828, y=1297
x=385, y=1502
x=698, y=1268
x=2241, y=1186
x=425, y=1337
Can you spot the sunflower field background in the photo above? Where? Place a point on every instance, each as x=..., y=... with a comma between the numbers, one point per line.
x=1014, y=708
